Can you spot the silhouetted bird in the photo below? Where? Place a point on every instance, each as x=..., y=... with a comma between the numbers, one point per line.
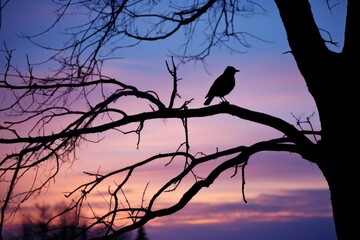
x=222, y=85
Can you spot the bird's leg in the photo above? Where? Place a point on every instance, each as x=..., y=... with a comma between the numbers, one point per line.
x=223, y=99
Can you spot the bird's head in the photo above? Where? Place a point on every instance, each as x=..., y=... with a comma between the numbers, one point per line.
x=231, y=70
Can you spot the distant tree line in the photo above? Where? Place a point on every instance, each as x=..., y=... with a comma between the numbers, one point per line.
x=36, y=226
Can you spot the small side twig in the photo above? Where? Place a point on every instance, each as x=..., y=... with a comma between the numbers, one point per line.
x=173, y=73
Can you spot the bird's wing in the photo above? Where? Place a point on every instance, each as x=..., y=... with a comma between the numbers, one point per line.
x=214, y=87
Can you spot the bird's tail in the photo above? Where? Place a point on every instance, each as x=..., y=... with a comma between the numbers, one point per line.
x=208, y=100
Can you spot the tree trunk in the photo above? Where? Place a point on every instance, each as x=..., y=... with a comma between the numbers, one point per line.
x=340, y=180
x=330, y=78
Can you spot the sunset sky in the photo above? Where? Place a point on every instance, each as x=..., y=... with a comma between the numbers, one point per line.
x=287, y=196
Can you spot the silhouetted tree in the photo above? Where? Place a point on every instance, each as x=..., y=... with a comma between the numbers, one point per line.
x=37, y=101
x=43, y=224
x=141, y=234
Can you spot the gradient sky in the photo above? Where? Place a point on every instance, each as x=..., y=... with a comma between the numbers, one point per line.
x=287, y=196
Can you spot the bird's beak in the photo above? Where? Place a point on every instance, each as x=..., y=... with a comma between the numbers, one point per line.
x=237, y=70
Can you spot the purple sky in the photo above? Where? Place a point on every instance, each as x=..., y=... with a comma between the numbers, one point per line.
x=287, y=196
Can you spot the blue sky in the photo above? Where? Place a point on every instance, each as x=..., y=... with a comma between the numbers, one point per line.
x=288, y=197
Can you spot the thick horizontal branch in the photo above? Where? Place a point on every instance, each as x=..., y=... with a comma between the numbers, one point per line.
x=258, y=117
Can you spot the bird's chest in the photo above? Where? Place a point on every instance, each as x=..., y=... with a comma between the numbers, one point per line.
x=227, y=85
